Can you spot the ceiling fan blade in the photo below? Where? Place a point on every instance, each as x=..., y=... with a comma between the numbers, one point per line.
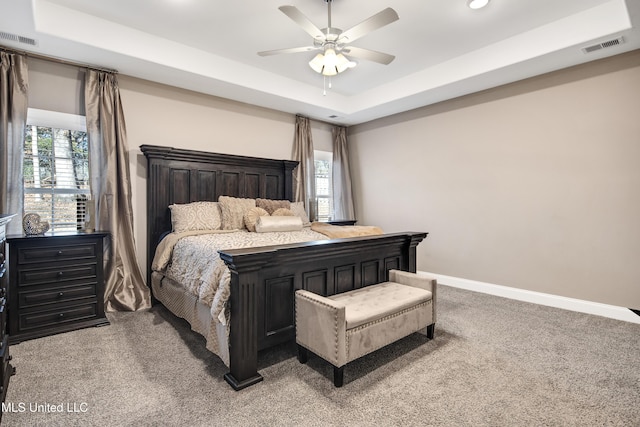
x=374, y=22
x=288, y=50
x=299, y=18
x=370, y=55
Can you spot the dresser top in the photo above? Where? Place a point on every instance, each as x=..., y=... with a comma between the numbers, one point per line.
x=58, y=234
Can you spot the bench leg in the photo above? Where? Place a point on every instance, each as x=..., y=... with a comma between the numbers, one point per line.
x=338, y=376
x=430, y=329
x=303, y=354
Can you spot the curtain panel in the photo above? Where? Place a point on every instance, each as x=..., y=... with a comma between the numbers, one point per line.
x=342, y=188
x=125, y=288
x=14, y=85
x=304, y=173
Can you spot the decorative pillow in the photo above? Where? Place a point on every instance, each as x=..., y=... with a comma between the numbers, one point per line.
x=233, y=210
x=283, y=212
x=195, y=216
x=278, y=223
x=251, y=217
x=298, y=210
x=272, y=205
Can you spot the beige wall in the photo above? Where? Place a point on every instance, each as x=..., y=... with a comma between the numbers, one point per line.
x=534, y=185
x=162, y=115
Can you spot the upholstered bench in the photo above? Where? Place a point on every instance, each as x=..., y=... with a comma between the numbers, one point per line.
x=343, y=327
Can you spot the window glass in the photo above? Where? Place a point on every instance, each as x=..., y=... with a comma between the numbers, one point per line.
x=56, y=169
x=324, y=198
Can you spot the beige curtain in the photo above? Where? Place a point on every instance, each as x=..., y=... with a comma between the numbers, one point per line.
x=14, y=85
x=342, y=189
x=304, y=173
x=125, y=288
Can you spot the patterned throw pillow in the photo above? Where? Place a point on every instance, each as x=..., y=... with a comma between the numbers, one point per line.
x=283, y=212
x=252, y=216
x=298, y=209
x=195, y=216
x=272, y=205
x=233, y=210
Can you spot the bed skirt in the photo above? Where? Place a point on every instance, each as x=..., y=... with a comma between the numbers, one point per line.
x=186, y=306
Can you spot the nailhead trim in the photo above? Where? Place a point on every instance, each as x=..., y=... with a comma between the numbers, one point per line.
x=335, y=328
x=382, y=319
x=358, y=328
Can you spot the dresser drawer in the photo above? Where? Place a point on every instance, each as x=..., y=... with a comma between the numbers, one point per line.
x=3, y=316
x=56, y=253
x=29, y=277
x=56, y=283
x=40, y=319
x=6, y=370
x=43, y=297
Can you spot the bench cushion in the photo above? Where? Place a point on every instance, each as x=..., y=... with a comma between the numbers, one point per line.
x=375, y=302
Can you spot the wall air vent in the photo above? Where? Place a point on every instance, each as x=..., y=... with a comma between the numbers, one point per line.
x=608, y=43
x=333, y=116
x=16, y=38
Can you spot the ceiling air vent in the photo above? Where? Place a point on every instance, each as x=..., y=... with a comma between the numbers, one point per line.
x=16, y=38
x=333, y=116
x=608, y=43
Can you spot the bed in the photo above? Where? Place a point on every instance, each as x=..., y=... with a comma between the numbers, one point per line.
x=260, y=305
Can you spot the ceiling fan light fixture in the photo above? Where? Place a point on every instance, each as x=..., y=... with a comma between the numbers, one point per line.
x=343, y=63
x=317, y=63
x=477, y=4
x=330, y=63
x=330, y=58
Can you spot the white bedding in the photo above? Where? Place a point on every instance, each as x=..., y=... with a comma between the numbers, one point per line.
x=192, y=260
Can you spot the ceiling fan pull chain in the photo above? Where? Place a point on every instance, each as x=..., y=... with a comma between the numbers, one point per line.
x=324, y=85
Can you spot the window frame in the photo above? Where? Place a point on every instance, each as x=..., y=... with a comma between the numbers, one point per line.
x=60, y=121
x=327, y=156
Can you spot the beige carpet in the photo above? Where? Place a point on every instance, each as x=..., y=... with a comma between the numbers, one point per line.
x=493, y=362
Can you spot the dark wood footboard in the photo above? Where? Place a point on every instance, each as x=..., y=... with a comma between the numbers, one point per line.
x=264, y=280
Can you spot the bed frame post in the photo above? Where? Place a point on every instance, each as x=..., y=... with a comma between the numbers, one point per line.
x=415, y=239
x=244, y=300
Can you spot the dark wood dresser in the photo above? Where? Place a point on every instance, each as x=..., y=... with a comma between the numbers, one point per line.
x=56, y=283
x=6, y=370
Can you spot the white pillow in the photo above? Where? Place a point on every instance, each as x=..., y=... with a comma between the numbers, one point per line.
x=267, y=224
x=195, y=216
x=298, y=210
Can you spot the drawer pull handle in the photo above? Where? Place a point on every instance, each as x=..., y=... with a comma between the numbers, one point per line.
x=61, y=315
x=61, y=294
x=59, y=252
x=60, y=273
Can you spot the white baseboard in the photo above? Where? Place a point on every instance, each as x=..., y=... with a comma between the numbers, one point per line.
x=611, y=311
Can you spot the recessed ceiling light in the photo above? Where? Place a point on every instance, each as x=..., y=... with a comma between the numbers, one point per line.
x=477, y=4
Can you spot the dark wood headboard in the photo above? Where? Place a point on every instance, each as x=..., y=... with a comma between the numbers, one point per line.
x=183, y=176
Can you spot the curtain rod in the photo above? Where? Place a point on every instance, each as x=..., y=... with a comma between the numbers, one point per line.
x=58, y=60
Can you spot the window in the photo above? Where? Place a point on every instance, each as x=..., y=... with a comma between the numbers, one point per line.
x=324, y=197
x=56, y=169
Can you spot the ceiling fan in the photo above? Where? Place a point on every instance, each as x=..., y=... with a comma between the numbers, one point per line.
x=334, y=43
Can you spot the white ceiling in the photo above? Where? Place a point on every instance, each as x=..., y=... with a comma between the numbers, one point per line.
x=443, y=49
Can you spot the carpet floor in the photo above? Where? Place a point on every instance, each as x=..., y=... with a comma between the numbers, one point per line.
x=493, y=362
